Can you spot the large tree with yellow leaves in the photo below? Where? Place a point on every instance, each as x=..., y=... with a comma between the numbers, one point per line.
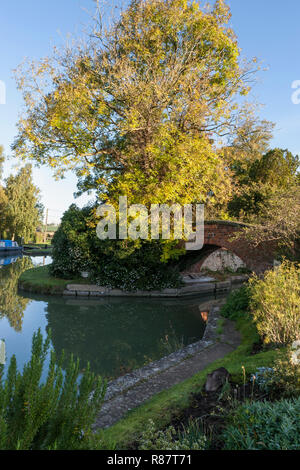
x=133, y=112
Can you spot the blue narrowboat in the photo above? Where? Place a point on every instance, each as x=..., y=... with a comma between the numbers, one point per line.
x=8, y=247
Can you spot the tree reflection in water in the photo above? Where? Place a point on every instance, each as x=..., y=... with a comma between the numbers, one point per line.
x=118, y=335
x=115, y=335
x=12, y=306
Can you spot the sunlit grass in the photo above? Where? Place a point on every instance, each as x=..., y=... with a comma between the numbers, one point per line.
x=38, y=280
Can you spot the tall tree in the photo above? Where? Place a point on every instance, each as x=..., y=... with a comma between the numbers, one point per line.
x=266, y=187
x=3, y=198
x=1, y=160
x=279, y=222
x=248, y=142
x=269, y=175
x=257, y=171
x=3, y=209
x=133, y=112
x=22, y=215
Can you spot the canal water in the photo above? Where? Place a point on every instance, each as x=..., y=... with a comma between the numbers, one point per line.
x=116, y=335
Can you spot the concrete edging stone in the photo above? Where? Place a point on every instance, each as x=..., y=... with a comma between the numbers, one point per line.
x=85, y=290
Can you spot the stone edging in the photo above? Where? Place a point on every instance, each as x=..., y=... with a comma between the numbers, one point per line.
x=124, y=383
x=190, y=289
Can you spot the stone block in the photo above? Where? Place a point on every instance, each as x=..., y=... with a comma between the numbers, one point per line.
x=155, y=293
x=223, y=286
x=239, y=279
x=116, y=292
x=169, y=292
x=98, y=293
x=85, y=287
x=69, y=293
x=194, y=289
x=82, y=293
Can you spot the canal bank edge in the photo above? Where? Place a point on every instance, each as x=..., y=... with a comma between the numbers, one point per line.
x=133, y=389
x=127, y=381
x=37, y=281
x=202, y=287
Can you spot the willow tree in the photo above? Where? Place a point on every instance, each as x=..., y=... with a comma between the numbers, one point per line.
x=134, y=111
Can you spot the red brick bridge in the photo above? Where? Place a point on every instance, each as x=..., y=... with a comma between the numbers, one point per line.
x=218, y=234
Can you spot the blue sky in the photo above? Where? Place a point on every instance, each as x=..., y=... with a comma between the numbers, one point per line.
x=267, y=29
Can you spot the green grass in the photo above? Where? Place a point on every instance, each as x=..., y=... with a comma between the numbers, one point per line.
x=170, y=403
x=40, y=252
x=220, y=326
x=39, y=281
x=38, y=245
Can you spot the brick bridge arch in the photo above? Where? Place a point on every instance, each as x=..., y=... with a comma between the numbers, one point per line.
x=218, y=234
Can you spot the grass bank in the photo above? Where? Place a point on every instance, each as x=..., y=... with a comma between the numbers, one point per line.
x=165, y=406
x=39, y=281
x=38, y=249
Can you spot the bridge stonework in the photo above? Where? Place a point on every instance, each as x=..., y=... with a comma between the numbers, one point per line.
x=218, y=234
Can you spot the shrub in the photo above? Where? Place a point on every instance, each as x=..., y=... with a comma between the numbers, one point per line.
x=275, y=304
x=237, y=304
x=263, y=378
x=284, y=380
x=71, y=244
x=54, y=414
x=120, y=264
x=264, y=426
x=190, y=438
x=122, y=275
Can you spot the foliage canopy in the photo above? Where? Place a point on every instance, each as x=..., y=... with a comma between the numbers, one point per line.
x=133, y=111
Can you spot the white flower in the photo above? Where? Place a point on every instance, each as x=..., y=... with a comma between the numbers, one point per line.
x=2, y=351
x=296, y=345
x=295, y=358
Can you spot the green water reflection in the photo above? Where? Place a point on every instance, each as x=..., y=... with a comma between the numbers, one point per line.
x=12, y=305
x=115, y=335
